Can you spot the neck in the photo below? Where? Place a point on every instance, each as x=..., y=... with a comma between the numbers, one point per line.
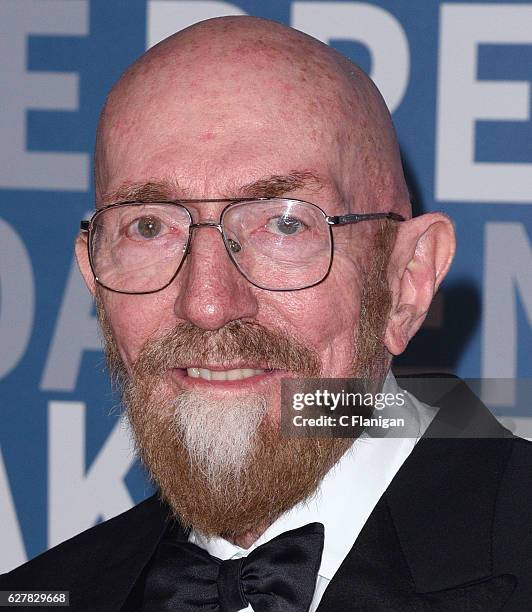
x=246, y=539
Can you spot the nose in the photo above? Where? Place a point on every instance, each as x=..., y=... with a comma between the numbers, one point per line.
x=212, y=292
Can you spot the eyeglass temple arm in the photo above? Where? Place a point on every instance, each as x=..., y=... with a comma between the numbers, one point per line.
x=85, y=225
x=356, y=218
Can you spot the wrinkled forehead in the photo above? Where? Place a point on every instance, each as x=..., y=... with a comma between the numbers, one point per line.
x=208, y=113
x=227, y=110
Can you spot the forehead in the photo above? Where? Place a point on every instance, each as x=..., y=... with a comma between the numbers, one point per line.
x=199, y=152
x=215, y=135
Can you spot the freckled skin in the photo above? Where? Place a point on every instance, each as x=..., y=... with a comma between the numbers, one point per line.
x=227, y=102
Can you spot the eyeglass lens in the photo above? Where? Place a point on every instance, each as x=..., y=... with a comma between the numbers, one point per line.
x=276, y=244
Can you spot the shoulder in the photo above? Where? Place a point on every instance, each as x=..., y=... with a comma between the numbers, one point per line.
x=91, y=550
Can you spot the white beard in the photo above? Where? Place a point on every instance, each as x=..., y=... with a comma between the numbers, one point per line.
x=218, y=434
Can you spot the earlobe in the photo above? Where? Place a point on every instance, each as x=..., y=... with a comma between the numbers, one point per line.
x=82, y=257
x=423, y=252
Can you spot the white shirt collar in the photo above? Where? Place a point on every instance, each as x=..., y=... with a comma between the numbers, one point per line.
x=346, y=496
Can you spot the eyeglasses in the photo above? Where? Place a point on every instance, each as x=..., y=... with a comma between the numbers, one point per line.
x=278, y=244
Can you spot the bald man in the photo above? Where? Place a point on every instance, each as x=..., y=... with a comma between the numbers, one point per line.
x=228, y=157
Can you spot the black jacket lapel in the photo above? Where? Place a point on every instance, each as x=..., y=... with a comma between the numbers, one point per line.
x=442, y=501
x=427, y=545
x=376, y=576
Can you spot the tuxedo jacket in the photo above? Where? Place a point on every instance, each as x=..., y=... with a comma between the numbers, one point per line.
x=453, y=531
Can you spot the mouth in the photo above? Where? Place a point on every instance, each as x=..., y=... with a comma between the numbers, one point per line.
x=225, y=378
x=224, y=375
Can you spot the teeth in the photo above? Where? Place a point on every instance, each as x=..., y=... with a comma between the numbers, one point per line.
x=205, y=374
x=237, y=374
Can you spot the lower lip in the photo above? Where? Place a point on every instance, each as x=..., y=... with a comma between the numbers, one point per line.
x=241, y=384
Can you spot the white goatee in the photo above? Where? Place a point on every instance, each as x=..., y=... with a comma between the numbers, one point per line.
x=218, y=433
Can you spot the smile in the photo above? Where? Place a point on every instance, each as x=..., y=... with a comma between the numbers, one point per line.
x=217, y=378
x=236, y=374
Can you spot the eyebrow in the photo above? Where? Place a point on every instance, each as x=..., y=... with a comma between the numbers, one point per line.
x=271, y=186
x=280, y=184
x=152, y=191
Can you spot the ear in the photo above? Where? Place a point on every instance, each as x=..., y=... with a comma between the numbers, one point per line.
x=423, y=251
x=82, y=256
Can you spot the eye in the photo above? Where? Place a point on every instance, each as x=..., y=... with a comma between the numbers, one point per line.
x=285, y=225
x=145, y=228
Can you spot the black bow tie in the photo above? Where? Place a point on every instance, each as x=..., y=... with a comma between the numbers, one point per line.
x=279, y=576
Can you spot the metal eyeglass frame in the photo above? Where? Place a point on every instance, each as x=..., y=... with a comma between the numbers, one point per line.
x=331, y=220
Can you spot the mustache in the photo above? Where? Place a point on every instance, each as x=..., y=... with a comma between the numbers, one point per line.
x=237, y=342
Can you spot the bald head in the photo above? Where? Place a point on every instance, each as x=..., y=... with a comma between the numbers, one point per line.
x=233, y=99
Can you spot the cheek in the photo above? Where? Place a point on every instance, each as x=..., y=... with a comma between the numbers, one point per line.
x=324, y=317
x=133, y=319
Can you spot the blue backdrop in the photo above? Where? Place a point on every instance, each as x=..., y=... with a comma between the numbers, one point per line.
x=457, y=80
